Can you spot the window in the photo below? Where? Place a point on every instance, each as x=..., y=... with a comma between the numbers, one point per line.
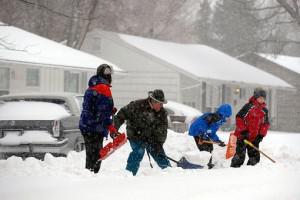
x=33, y=77
x=71, y=81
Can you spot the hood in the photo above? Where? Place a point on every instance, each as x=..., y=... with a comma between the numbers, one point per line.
x=225, y=110
x=95, y=80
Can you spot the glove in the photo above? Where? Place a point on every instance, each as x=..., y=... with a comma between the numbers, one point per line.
x=259, y=138
x=114, y=110
x=244, y=135
x=113, y=132
x=222, y=144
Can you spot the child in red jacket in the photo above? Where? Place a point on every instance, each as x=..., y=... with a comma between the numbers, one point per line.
x=252, y=124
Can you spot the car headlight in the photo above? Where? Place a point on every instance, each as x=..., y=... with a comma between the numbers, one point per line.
x=56, y=128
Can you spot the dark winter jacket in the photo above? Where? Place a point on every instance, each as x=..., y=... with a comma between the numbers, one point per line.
x=97, y=106
x=252, y=120
x=143, y=123
x=207, y=124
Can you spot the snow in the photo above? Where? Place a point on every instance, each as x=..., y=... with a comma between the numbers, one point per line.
x=22, y=110
x=66, y=178
x=289, y=62
x=18, y=45
x=204, y=62
x=182, y=109
x=32, y=137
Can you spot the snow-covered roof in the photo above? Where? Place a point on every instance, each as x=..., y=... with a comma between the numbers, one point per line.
x=204, y=62
x=17, y=45
x=289, y=62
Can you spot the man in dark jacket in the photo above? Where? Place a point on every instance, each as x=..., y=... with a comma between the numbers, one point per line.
x=146, y=129
x=252, y=124
x=96, y=117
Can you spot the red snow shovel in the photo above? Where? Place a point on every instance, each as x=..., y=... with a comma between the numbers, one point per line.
x=109, y=148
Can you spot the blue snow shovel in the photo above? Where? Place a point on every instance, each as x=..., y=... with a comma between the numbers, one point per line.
x=184, y=163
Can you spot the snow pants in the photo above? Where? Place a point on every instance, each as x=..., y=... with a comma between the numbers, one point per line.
x=137, y=154
x=93, y=143
x=204, y=146
x=240, y=154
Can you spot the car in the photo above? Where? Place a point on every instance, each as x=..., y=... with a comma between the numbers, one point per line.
x=33, y=124
x=180, y=116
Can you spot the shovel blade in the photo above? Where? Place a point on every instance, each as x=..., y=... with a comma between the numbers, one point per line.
x=185, y=164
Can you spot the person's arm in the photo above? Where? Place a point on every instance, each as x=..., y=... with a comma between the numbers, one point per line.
x=87, y=118
x=162, y=129
x=122, y=115
x=265, y=125
x=106, y=107
x=241, y=127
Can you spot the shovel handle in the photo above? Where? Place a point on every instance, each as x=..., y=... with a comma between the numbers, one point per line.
x=257, y=149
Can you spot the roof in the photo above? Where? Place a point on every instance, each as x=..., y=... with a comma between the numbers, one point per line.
x=17, y=45
x=204, y=62
x=289, y=62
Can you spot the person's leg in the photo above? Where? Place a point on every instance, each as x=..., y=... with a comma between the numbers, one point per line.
x=239, y=156
x=98, y=144
x=135, y=157
x=205, y=147
x=254, y=155
x=88, y=151
x=159, y=156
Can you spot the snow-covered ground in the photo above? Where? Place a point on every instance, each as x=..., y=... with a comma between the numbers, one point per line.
x=66, y=178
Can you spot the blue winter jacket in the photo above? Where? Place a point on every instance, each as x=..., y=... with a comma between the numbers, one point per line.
x=207, y=125
x=97, y=107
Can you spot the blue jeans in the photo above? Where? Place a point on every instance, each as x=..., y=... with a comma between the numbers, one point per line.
x=137, y=154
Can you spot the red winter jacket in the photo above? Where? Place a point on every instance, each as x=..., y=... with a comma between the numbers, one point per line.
x=253, y=118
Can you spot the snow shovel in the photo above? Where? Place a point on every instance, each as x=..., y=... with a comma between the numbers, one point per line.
x=251, y=145
x=110, y=148
x=184, y=163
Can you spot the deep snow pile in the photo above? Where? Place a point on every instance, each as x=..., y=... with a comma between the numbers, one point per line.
x=66, y=178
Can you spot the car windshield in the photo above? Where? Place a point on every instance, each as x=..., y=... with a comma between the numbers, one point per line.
x=79, y=101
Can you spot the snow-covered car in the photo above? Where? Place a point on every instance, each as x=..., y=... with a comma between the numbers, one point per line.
x=180, y=116
x=35, y=124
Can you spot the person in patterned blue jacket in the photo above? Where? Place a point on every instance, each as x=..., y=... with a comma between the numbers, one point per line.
x=96, y=116
x=204, y=129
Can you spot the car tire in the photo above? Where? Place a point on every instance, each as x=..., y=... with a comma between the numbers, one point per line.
x=79, y=144
x=3, y=156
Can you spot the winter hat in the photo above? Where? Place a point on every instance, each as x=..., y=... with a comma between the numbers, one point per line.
x=105, y=71
x=157, y=95
x=225, y=110
x=259, y=92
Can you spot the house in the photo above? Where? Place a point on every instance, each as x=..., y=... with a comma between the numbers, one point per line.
x=30, y=63
x=288, y=69
x=195, y=75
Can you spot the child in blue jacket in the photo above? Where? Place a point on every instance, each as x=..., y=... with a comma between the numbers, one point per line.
x=204, y=129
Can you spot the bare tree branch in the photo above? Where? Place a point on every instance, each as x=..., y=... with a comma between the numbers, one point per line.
x=87, y=26
x=293, y=12
x=57, y=12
